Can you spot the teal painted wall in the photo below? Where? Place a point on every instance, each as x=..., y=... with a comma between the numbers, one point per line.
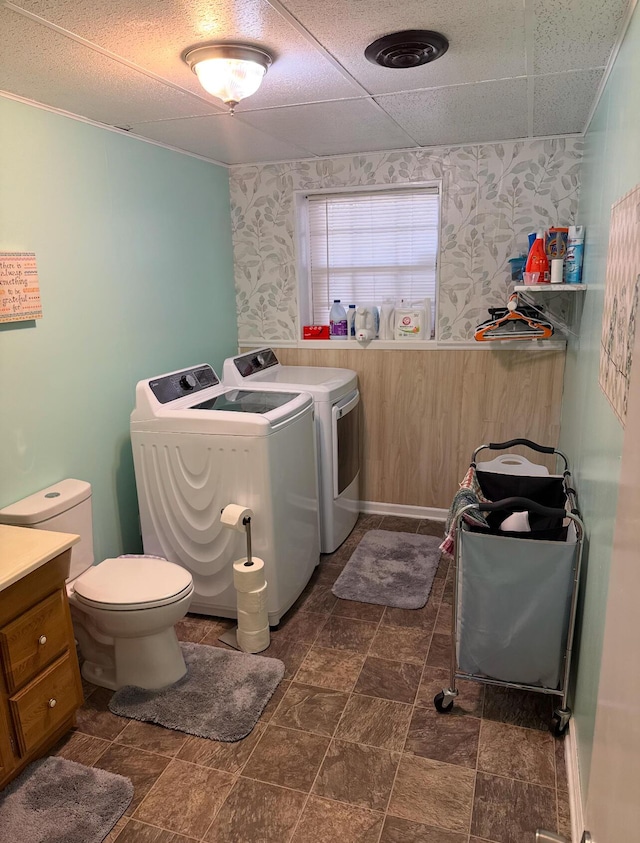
x=591, y=434
x=133, y=245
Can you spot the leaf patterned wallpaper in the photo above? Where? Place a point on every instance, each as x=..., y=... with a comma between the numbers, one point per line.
x=493, y=196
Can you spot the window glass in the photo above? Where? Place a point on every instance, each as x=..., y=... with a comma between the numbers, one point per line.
x=365, y=248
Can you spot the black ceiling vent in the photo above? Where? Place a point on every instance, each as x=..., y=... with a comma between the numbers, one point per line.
x=409, y=48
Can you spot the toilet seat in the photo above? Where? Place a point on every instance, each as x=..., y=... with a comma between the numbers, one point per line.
x=127, y=584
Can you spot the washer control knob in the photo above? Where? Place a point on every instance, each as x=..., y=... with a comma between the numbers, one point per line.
x=42, y=640
x=52, y=703
x=187, y=381
x=260, y=359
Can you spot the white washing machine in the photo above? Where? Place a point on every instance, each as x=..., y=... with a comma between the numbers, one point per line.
x=198, y=446
x=337, y=403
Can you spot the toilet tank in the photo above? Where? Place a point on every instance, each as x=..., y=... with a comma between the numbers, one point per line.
x=64, y=507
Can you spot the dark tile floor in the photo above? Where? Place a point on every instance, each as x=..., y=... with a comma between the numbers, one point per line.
x=350, y=747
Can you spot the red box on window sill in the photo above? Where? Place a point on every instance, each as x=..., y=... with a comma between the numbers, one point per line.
x=315, y=332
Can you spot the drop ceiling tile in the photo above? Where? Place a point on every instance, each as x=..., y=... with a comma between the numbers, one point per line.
x=575, y=34
x=221, y=138
x=487, y=40
x=40, y=64
x=332, y=128
x=562, y=101
x=155, y=35
x=462, y=114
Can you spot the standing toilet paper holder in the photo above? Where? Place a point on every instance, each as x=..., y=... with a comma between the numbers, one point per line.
x=237, y=517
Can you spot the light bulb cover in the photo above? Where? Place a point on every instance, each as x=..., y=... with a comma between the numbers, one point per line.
x=230, y=72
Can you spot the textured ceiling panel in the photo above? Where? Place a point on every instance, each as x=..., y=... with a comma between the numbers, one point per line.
x=154, y=36
x=486, y=40
x=223, y=138
x=331, y=128
x=119, y=62
x=462, y=114
x=575, y=34
x=41, y=64
x=562, y=101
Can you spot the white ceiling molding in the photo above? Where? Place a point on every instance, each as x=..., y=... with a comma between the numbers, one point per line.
x=15, y=98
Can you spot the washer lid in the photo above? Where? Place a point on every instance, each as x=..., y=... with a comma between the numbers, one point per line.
x=261, y=369
x=247, y=401
x=132, y=581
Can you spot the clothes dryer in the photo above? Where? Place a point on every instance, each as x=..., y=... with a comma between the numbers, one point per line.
x=337, y=409
x=198, y=446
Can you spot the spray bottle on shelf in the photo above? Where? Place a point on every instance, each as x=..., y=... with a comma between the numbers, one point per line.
x=537, y=260
x=337, y=321
x=575, y=253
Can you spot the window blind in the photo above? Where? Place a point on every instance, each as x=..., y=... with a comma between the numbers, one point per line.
x=365, y=248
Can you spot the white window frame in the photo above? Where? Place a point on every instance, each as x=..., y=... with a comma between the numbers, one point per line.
x=303, y=263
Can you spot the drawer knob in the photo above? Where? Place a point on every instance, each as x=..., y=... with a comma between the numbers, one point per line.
x=42, y=640
x=52, y=703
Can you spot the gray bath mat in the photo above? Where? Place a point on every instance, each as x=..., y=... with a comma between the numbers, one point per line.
x=59, y=801
x=221, y=697
x=391, y=569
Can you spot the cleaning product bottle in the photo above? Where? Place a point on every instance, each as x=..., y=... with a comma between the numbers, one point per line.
x=409, y=322
x=351, y=322
x=538, y=260
x=428, y=315
x=337, y=321
x=366, y=323
x=386, y=320
x=575, y=253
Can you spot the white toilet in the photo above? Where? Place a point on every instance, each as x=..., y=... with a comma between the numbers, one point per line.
x=124, y=609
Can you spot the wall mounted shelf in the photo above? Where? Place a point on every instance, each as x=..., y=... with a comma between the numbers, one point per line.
x=565, y=314
x=549, y=288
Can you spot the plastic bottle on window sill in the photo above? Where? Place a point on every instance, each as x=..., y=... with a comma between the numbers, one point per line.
x=337, y=321
x=410, y=322
x=386, y=330
x=351, y=322
x=537, y=261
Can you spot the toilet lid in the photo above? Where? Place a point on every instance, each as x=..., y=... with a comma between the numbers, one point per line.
x=133, y=582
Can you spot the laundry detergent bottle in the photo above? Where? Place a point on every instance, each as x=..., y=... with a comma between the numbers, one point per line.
x=367, y=322
x=386, y=329
x=337, y=321
x=537, y=260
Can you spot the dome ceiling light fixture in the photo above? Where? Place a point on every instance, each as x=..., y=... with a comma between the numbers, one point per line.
x=409, y=48
x=230, y=72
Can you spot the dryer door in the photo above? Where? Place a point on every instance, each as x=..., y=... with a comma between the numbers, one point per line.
x=345, y=416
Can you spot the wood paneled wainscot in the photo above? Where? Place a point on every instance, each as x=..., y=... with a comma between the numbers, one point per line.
x=425, y=411
x=40, y=686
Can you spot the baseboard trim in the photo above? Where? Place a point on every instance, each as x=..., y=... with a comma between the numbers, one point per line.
x=573, y=781
x=382, y=508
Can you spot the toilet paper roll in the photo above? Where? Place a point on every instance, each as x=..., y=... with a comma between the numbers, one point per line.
x=557, y=265
x=248, y=577
x=233, y=516
x=252, y=601
x=253, y=642
x=252, y=621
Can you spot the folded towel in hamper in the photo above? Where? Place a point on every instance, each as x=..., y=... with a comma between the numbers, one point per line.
x=468, y=493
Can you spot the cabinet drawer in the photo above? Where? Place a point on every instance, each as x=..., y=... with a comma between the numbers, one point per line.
x=34, y=639
x=41, y=707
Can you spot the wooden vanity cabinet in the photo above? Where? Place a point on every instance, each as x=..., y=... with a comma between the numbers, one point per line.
x=40, y=685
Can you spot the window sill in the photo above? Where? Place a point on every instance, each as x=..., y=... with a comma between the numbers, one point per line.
x=406, y=345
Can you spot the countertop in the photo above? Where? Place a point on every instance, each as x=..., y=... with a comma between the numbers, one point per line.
x=23, y=549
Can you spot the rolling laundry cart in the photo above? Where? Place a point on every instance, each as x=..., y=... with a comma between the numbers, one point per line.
x=515, y=593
